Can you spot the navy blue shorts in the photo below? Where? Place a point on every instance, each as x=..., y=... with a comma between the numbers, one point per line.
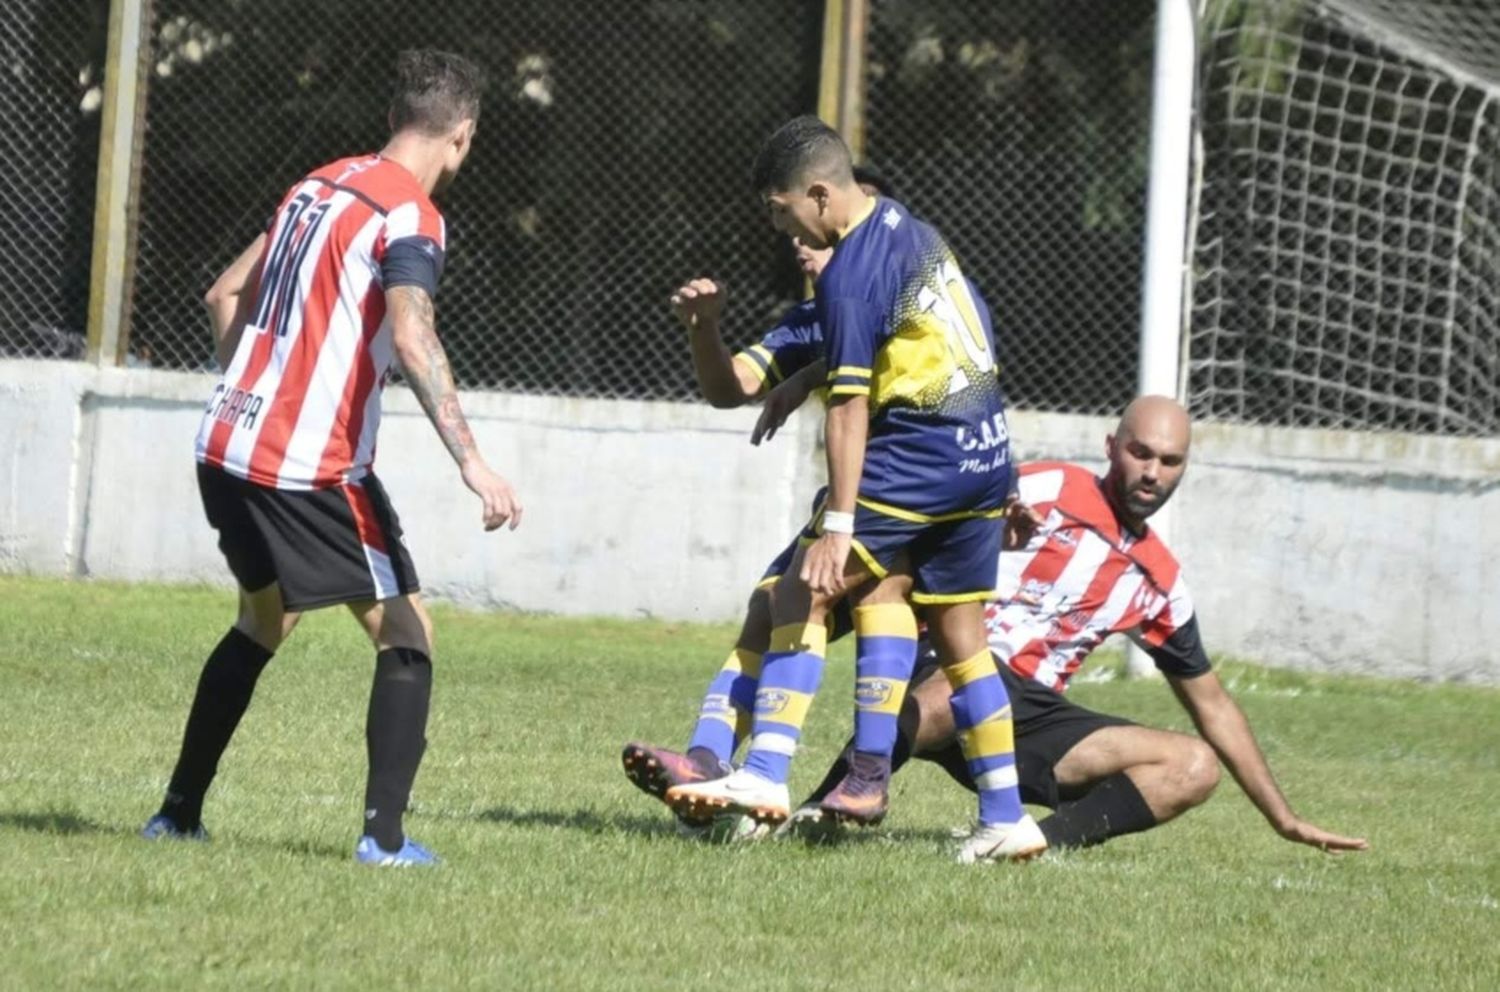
x=954, y=559
x=841, y=618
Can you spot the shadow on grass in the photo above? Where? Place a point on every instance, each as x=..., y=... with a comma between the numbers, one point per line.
x=55, y=822
x=583, y=820
x=592, y=822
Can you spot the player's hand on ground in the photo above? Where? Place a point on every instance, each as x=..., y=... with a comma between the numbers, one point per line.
x=823, y=565
x=1021, y=524
x=1306, y=833
x=499, y=499
x=699, y=303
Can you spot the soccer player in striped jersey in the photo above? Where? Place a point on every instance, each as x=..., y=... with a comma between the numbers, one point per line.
x=919, y=473
x=308, y=321
x=1092, y=567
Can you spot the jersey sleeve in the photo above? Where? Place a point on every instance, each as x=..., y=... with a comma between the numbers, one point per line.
x=792, y=345
x=851, y=329
x=415, y=248
x=1171, y=637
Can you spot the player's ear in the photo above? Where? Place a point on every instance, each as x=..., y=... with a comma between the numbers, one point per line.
x=1109, y=447
x=819, y=193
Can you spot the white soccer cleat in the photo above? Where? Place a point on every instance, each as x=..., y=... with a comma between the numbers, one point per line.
x=742, y=791
x=1019, y=841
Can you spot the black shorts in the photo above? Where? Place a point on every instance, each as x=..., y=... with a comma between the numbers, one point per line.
x=1048, y=725
x=323, y=546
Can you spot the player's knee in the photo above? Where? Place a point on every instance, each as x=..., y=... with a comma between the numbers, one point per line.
x=406, y=624
x=1199, y=771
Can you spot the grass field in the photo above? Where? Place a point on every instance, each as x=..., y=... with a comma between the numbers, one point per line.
x=560, y=875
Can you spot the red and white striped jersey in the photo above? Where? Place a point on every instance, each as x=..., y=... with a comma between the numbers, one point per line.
x=1081, y=578
x=299, y=405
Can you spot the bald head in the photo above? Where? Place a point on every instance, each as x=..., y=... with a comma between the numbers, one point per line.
x=1148, y=453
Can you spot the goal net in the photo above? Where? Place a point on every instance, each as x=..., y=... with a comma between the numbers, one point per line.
x=1346, y=245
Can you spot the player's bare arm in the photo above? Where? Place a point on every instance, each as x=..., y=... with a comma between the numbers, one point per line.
x=230, y=297
x=846, y=431
x=1224, y=726
x=724, y=382
x=786, y=398
x=425, y=363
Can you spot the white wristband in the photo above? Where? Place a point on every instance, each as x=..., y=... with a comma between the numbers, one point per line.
x=835, y=522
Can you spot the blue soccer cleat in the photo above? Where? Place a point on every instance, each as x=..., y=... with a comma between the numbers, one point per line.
x=163, y=827
x=411, y=855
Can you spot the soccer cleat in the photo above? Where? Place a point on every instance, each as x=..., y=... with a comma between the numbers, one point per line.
x=863, y=794
x=654, y=770
x=163, y=827
x=812, y=824
x=739, y=792
x=411, y=855
x=1019, y=841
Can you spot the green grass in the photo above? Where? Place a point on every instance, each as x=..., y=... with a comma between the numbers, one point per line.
x=561, y=876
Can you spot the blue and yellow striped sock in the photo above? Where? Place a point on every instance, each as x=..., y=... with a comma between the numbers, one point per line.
x=789, y=678
x=885, y=656
x=981, y=714
x=724, y=718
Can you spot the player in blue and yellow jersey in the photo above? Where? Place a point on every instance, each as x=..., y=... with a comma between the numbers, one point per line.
x=919, y=468
x=791, y=349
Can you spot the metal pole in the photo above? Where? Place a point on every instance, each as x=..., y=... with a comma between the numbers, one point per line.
x=112, y=270
x=1174, y=77
x=841, y=81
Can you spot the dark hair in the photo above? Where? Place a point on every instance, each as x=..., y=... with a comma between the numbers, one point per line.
x=867, y=175
x=802, y=148
x=434, y=91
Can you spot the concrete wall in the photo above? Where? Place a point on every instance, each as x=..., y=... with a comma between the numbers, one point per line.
x=1313, y=549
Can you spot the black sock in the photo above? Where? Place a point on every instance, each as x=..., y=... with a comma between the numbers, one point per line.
x=1111, y=808
x=395, y=736
x=224, y=691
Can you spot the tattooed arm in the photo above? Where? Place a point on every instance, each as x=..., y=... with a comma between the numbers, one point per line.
x=425, y=363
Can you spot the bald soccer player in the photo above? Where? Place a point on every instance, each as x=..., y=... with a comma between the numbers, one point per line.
x=1091, y=568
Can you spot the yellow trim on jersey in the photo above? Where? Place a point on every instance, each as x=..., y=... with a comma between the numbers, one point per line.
x=989, y=739
x=869, y=211
x=926, y=518
x=767, y=582
x=759, y=370
x=885, y=620
x=971, y=669
x=793, y=638
x=858, y=370
x=946, y=599
x=849, y=391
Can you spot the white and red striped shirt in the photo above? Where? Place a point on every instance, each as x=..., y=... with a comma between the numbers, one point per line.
x=1081, y=578
x=299, y=405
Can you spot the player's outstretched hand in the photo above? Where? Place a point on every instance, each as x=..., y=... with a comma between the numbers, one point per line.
x=1021, y=524
x=823, y=565
x=499, y=499
x=699, y=304
x=780, y=404
x=1305, y=833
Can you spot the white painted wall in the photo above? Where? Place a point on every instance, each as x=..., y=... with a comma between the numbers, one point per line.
x=1311, y=549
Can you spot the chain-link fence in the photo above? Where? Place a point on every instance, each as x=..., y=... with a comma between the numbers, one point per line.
x=1344, y=271
x=1347, y=271
x=51, y=59
x=612, y=160
x=1020, y=131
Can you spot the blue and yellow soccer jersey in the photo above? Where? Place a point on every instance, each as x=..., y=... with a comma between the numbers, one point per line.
x=793, y=344
x=903, y=326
